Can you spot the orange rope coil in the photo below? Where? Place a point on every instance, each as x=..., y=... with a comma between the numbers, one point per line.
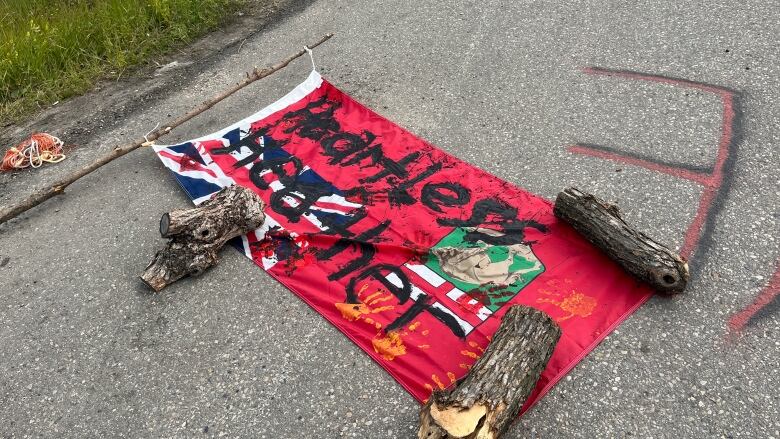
x=40, y=148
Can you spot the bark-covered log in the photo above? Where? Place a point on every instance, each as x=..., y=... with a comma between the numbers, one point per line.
x=485, y=403
x=640, y=255
x=198, y=234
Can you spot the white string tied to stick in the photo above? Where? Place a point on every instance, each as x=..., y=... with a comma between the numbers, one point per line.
x=146, y=136
x=311, y=56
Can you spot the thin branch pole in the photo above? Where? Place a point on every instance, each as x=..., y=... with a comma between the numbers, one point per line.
x=59, y=187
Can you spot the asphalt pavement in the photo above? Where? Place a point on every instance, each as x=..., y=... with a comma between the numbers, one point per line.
x=87, y=351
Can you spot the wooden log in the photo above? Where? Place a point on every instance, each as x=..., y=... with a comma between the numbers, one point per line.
x=640, y=255
x=198, y=234
x=486, y=401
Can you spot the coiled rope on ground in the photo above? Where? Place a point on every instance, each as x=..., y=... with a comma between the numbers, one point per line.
x=40, y=148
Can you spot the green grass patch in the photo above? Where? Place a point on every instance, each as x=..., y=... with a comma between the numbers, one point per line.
x=53, y=49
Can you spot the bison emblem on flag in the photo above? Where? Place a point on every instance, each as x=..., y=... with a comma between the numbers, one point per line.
x=478, y=270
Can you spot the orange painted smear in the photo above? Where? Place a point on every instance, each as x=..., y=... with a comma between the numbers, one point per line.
x=414, y=326
x=575, y=304
x=428, y=386
x=372, y=296
x=424, y=346
x=474, y=344
x=579, y=304
x=389, y=346
x=426, y=332
x=469, y=354
x=352, y=311
x=384, y=298
x=437, y=381
x=451, y=376
x=465, y=366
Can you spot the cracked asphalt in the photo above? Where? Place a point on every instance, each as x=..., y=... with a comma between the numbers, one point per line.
x=87, y=351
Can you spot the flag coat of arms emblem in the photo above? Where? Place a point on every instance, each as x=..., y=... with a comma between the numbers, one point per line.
x=412, y=253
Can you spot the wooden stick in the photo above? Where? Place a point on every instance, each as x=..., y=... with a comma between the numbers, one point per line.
x=601, y=224
x=58, y=188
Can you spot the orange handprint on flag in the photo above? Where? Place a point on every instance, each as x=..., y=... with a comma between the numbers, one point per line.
x=390, y=344
x=574, y=303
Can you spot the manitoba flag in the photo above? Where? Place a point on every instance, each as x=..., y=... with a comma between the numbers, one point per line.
x=412, y=253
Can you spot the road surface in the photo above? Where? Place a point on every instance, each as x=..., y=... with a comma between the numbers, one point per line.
x=690, y=137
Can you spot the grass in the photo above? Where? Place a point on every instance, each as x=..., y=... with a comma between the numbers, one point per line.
x=53, y=49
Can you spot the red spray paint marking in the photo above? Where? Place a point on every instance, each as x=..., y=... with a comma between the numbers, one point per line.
x=738, y=321
x=699, y=177
x=712, y=181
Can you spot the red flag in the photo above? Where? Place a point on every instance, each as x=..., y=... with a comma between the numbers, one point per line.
x=412, y=253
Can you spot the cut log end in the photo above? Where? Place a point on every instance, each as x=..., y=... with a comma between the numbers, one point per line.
x=152, y=283
x=671, y=279
x=459, y=422
x=165, y=222
x=154, y=276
